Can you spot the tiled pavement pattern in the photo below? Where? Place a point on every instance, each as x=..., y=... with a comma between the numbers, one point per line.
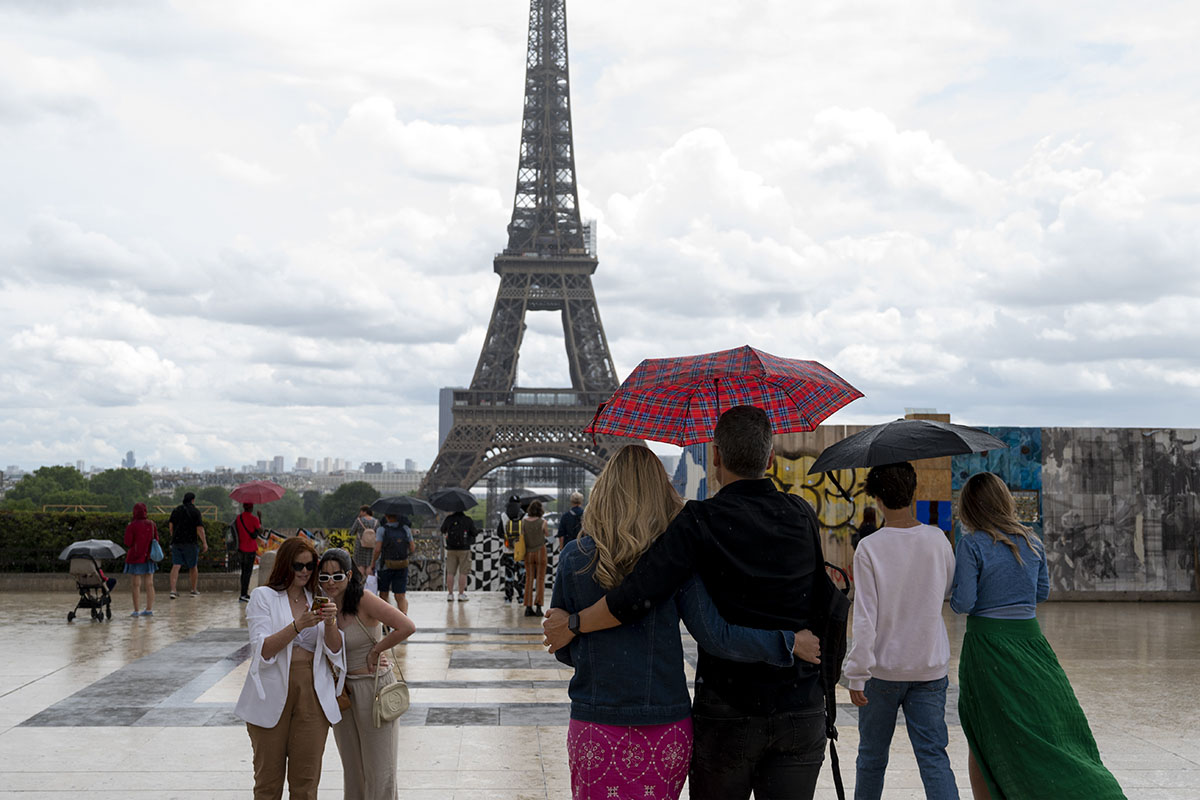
x=141, y=708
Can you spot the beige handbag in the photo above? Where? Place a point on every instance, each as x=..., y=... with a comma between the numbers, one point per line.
x=392, y=700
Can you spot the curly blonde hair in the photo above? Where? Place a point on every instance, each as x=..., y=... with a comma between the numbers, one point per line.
x=631, y=504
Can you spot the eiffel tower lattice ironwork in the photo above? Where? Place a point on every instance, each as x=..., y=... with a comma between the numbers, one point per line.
x=547, y=266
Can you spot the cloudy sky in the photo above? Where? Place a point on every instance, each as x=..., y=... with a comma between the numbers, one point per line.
x=234, y=230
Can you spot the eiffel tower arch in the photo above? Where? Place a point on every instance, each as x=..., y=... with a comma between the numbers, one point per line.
x=547, y=266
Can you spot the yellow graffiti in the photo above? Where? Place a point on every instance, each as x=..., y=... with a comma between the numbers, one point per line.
x=836, y=514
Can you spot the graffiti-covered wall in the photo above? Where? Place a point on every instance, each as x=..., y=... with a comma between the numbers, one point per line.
x=1117, y=508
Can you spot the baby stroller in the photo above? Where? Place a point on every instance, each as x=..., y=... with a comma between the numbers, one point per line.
x=93, y=588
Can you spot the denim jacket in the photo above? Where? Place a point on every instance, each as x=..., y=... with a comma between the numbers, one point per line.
x=633, y=674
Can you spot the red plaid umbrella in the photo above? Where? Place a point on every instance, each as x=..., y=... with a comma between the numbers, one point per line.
x=258, y=492
x=678, y=400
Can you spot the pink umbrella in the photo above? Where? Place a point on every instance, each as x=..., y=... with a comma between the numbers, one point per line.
x=258, y=492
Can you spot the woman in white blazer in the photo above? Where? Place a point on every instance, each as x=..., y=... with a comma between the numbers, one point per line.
x=297, y=667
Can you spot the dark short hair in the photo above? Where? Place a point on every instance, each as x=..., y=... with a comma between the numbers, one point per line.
x=535, y=509
x=745, y=439
x=893, y=484
x=367, y=509
x=189, y=497
x=247, y=506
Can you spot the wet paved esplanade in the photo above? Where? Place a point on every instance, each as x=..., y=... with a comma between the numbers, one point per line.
x=143, y=707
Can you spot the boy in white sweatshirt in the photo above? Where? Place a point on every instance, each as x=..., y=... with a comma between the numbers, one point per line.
x=901, y=653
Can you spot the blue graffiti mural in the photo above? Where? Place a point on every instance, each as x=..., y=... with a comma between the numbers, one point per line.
x=1019, y=466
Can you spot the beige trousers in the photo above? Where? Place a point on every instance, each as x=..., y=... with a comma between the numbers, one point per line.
x=296, y=743
x=535, y=576
x=368, y=753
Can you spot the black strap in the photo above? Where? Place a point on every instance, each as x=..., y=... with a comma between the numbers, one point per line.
x=830, y=692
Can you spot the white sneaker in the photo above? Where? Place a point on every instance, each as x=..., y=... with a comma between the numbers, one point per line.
x=462, y=598
x=450, y=597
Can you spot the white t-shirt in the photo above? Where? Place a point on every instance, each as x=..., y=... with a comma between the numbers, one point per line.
x=902, y=576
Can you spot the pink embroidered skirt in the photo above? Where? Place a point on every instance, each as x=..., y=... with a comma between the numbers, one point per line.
x=628, y=762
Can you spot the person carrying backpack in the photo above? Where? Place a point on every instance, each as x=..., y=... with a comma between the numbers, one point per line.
x=509, y=531
x=393, y=543
x=458, y=531
x=572, y=522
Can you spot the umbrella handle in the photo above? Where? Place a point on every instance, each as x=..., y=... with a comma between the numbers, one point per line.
x=833, y=477
x=596, y=416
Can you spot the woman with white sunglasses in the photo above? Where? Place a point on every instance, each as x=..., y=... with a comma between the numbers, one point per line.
x=368, y=753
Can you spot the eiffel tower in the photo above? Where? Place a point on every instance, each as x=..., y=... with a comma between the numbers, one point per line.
x=547, y=266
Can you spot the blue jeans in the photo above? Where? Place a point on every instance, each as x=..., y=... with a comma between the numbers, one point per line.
x=924, y=704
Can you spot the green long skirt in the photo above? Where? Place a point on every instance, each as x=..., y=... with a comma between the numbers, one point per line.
x=1022, y=721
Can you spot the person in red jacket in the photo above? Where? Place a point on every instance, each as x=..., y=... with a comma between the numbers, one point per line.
x=139, y=534
x=248, y=526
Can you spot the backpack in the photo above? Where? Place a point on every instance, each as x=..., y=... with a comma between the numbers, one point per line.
x=572, y=521
x=460, y=533
x=829, y=615
x=396, y=546
x=512, y=533
x=366, y=534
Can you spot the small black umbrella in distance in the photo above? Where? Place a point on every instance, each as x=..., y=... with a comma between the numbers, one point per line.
x=403, y=506
x=902, y=440
x=92, y=548
x=453, y=499
x=527, y=496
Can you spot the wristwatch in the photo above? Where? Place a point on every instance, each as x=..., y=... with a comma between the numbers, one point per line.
x=573, y=624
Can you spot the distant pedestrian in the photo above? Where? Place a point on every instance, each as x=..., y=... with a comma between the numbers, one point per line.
x=535, y=531
x=393, y=544
x=187, y=543
x=459, y=533
x=901, y=653
x=248, y=527
x=363, y=530
x=571, y=522
x=510, y=531
x=139, y=535
x=1028, y=736
x=868, y=526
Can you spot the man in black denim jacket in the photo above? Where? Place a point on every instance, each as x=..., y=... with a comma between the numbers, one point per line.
x=757, y=727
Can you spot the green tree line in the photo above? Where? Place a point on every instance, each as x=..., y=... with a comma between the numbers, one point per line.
x=117, y=490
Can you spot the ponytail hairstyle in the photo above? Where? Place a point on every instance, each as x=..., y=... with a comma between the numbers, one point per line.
x=986, y=505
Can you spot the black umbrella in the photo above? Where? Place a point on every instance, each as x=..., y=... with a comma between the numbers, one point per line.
x=904, y=440
x=453, y=499
x=527, y=496
x=92, y=548
x=403, y=506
